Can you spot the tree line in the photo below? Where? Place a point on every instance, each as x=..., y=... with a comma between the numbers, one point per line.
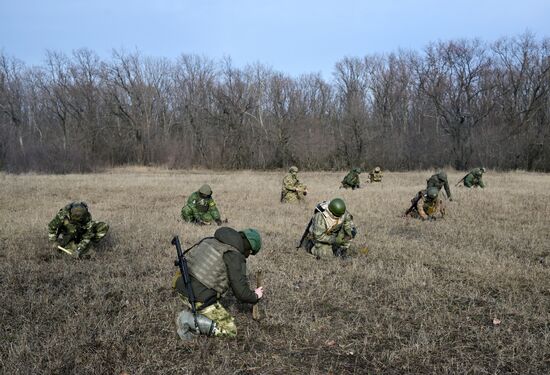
x=458, y=103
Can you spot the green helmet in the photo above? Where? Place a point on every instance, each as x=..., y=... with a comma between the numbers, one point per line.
x=293, y=169
x=253, y=237
x=78, y=212
x=432, y=193
x=442, y=175
x=337, y=206
x=205, y=190
x=357, y=170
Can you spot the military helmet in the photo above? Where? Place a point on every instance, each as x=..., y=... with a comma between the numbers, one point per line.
x=293, y=169
x=337, y=207
x=482, y=170
x=432, y=193
x=377, y=169
x=442, y=175
x=357, y=170
x=205, y=190
x=254, y=238
x=78, y=211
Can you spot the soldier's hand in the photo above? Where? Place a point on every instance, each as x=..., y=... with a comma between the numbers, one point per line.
x=53, y=245
x=450, y=199
x=259, y=292
x=218, y=221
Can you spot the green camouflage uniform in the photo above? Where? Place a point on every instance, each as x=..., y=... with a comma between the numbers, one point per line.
x=217, y=264
x=200, y=210
x=376, y=175
x=439, y=180
x=351, y=180
x=474, y=178
x=75, y=236
x=293, y=190
x=327, y=233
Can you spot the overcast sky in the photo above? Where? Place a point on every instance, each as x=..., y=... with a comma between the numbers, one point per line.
x=291, y=36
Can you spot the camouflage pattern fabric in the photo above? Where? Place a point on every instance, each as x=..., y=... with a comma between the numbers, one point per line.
x=474, y=179
x=326, y=234
x=225, y=323
x=427, y=209
x=438, y=182
x=200, y=210
x=375, y=176
x=76, y=236
x=351, y=180
x=293, y=190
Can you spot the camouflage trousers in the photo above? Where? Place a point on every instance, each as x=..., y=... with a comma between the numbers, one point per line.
x=225, y=323
x=99, y=230
x=291, y=196
x=188, y=215
x=325, y=250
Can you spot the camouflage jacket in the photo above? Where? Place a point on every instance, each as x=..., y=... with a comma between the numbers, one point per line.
x=375, y=176
x=201, y=206
x=474, y=178
x=235, y=264
x=351, y=179
x=325, y=228
x=291, y=183
x=63, y=230
x=435, y=181
x=427, y=209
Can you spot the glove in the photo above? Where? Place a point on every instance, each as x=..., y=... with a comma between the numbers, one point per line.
x=218, y=221
x=353, y=232
x=450, y=199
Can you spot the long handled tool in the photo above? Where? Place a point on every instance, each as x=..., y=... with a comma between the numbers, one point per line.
x=256, y=309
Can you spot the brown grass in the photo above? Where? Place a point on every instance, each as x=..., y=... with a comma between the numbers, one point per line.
x=422, y=301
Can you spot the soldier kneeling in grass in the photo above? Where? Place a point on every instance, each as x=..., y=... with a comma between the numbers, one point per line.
x=73, y=231
x=212, y=267
x=426, y=204
x=330, y=230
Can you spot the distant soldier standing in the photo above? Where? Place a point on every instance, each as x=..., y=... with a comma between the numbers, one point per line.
x=352, y=179
x=293, y=190
x=474, y=178
x=438, y=181
x=426, y=204
x=376, y=175
x=217, y=264
x=201, y=208
x=73, y=231
x=330, y=230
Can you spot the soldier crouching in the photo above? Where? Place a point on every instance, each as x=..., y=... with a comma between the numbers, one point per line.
x=73, y=231
x=215, y=265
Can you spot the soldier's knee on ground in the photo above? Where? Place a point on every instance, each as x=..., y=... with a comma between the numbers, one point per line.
x=187, y=214
x=100, y=230
x=225, y=323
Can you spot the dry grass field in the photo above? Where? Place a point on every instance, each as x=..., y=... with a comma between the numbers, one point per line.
x=427, y=298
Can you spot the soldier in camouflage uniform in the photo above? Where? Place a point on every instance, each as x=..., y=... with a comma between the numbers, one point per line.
x=438, y=181
x=330, y=230
x=293, y=190
x=217, y=264
x=74, y=231
x=376, y=175
x=426, y=204
x=474, y=178
x=352, y=179
x=201, y=208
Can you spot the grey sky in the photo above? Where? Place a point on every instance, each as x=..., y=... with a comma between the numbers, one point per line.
x=290, y=36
